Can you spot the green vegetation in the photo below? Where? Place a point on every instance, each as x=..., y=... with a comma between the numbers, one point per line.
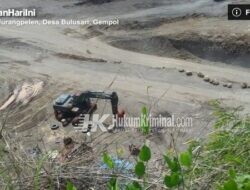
x=221, y=161
x=70, y=186
x=227, y=148
x=38, y=172
x=144, y=125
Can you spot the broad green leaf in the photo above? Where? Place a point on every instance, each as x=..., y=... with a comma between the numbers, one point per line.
x=176, y=165
x=168, y=160
x=186, y=159
x=172, y=164
x=113, y=184
x=232, y=174
x=107, y=160
x=145, y=153
x=134, y=186
x=173, y=180
x=246, y=186
x=230, y=185
x=140, y=169
x=167, y=181
x=144, y=121
x=70, y=186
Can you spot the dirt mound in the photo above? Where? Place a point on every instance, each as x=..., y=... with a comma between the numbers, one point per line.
x=148, y=5
x=17, y=45
x=193, y=46
x=155, y=45
x=78, y=57
x=93, y=2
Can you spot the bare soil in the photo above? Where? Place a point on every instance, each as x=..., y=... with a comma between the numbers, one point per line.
x=153, y=41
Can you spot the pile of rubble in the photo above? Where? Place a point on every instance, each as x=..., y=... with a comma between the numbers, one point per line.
x=73, y=150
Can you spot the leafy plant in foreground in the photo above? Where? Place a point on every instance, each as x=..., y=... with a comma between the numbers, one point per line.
x=236, y=182
x=178, y=166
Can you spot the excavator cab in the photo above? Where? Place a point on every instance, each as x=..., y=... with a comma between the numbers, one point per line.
x=81, y=101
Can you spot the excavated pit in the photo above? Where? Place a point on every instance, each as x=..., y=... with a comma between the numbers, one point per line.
x=190, y=48
x=93, y=2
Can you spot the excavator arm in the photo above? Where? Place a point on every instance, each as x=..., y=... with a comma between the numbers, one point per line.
x=113, y=97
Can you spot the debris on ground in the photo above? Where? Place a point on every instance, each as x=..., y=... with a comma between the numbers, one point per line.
x=189, y=73
x=54, y=127
x=181, y=70
x=229, y=85
x=201, y=75
x=134, y=150
x=23, y=94
x=244, y=85
x=121, y=165
x=206, y=79
x=117, y=62
x=79, y=57
x=53, y=154
x=214, y=82
x=73, y=150
x=34, y=152
x=211, y=81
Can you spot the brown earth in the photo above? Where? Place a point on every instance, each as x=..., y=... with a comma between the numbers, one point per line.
x=139, y=59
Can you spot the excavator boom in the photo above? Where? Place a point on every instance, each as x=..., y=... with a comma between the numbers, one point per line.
x=113, y=97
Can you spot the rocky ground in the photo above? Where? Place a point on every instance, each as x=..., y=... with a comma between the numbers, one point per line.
x=140, y=59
